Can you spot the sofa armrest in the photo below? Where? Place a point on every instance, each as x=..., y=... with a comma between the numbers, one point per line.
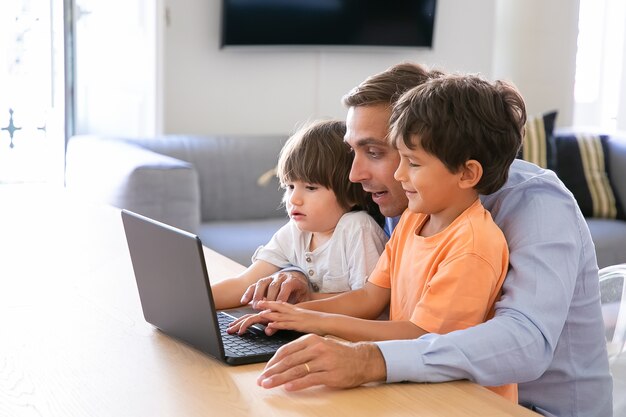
x=123, y=175
x=229, y=167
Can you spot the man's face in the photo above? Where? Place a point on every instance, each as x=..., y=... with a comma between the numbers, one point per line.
x=374, y=160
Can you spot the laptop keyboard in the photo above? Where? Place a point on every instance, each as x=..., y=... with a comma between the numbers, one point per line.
x=253, y=342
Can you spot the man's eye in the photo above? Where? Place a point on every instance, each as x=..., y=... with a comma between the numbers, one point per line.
x=374, y=153
x=311, y=187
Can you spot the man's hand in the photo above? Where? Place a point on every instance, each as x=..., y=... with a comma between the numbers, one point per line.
x=289, y=286
x=314, y=360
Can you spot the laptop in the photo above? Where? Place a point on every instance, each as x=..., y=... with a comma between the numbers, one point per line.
x=176, y=298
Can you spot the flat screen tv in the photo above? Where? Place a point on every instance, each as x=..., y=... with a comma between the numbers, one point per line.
x=407, y=23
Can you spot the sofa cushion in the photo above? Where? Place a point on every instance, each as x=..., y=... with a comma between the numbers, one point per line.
x=228, y=170
x=617, y=163
x=609, y=238
x=538, y=142
x=582, y=163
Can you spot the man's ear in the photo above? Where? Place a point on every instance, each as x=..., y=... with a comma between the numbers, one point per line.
x=471, y=173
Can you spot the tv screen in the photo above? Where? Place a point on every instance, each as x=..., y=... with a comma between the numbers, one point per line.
x=328, y=22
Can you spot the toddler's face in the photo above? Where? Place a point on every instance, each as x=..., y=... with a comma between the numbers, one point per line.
x=312, y=207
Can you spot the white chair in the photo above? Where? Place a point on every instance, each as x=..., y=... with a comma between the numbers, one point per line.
x=613, y=296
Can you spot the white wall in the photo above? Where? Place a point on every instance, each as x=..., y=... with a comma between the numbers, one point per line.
x=271, y=90
x=536, y=48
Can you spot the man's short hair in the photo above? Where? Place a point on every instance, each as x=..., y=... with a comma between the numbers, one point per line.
x=461, y=117
x=386, y=87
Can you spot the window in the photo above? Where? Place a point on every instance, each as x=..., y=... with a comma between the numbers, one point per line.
x=31, y=81
x=600, y=77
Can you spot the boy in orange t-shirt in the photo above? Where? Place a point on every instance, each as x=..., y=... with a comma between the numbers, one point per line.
x=445, y=263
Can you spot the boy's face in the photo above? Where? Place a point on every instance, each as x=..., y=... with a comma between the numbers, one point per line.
x=314, y=208
x=374, y=160
x=429, y=186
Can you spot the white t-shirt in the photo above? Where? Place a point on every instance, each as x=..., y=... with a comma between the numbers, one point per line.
x=343, y=263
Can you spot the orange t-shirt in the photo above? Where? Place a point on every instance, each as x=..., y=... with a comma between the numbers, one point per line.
x=448, y=281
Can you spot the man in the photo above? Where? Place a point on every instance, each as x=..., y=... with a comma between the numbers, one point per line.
x=547, y=334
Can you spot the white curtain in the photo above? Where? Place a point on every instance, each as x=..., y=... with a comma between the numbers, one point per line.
x=600, y=94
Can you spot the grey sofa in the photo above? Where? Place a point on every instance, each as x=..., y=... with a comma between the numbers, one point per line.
x=209, y=185
x=206, y=185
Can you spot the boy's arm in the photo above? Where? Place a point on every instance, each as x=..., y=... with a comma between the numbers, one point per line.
x=358, y=330
x=228, y=292
x=366, y=302
x=288, y=317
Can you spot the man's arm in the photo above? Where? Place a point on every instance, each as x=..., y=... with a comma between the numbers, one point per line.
x=544, y=233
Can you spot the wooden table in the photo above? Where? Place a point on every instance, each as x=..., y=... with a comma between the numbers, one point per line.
x=73, y=341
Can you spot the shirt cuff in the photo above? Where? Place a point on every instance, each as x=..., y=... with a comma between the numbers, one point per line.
x=293, y=268
x=403, y=359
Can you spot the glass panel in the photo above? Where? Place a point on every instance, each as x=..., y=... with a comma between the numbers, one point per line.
x=31, y=139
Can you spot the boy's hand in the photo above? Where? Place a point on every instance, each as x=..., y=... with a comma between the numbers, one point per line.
x=241, y=325
x=283, y=316
x=289, y=286
x=279, y=315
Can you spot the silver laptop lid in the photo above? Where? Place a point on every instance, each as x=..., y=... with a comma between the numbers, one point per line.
x=173, y=283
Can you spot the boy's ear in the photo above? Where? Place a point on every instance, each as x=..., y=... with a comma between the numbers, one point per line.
x=471, y=173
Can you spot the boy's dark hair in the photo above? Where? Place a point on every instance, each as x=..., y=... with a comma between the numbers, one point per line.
x=317, y=154
x=461, y=117
x=386, y=87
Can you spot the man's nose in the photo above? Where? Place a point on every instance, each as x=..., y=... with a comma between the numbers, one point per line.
x=359, y=171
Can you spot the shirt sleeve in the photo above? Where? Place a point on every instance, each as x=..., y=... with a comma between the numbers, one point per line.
x=381, y=276
x=294, y=268
x=277, y=250
x=544, y=230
